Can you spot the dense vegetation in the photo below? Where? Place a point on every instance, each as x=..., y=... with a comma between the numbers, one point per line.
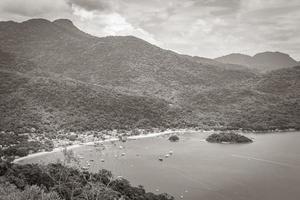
x=13, y=145
x=58, y=181
x=268, y=102
x=228, y=137
x=48, y=105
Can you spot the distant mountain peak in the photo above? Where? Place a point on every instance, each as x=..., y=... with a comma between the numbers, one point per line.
x=264, y=61
x=273, y=54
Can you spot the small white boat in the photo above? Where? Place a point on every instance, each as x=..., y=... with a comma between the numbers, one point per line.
x=170, y=152
x=167, y=155
x=160, y=159
x=102, y=160
x=122, y=154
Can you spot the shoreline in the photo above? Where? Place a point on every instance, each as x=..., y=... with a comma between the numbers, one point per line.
x=134, y=137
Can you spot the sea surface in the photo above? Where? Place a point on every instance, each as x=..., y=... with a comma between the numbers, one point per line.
x=267, y=169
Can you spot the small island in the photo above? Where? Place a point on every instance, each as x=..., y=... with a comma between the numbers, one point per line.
x=174, y=138
x=228, y=137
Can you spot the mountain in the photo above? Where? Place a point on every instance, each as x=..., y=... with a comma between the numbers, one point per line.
x=127, y=63
x=54, y=76
x=263, y=62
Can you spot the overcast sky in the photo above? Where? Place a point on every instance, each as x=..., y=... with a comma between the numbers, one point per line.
x=208, y=28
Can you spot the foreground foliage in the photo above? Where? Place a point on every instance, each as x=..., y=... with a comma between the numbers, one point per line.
x=58, y=181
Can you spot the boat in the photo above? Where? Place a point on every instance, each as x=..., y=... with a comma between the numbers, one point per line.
x=122, y=154
x=160, y=159
x=167, y=155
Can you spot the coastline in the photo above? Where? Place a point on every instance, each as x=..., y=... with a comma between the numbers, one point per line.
x=134, y=137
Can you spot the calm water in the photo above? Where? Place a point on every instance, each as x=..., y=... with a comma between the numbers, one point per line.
x=268, y=169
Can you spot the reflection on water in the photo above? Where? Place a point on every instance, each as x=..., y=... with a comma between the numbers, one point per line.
x=268, y=169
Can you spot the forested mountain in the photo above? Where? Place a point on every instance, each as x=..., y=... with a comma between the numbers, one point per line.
x=264, y=62
x=54, y=76
x=125, y=63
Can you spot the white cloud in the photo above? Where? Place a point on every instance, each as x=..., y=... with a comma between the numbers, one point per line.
x=199, y=27
x=23, y=9
x=105, y=24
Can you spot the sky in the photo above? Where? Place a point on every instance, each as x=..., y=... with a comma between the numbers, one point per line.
x=207, y=28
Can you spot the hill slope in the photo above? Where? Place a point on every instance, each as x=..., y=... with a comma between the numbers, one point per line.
x=54, y=76
x=127, y=64
x=50, y=104
x=268, y=102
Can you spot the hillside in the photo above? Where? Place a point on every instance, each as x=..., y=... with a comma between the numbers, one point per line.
x=127, y=64
x=54, y=76
x=268, y=102
x=266, y=61
x=50, y=104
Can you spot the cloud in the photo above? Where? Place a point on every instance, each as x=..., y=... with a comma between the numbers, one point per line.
x=92, y=5
x=208, y=28
x=105, y=24
x=32, y=8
